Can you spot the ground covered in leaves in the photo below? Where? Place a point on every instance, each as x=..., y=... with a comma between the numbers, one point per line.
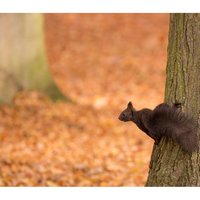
x=101, y=62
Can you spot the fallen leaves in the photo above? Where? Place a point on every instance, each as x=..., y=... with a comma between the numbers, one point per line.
x=52, y=148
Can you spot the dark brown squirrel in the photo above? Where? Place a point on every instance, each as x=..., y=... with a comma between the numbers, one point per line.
x=164, y=120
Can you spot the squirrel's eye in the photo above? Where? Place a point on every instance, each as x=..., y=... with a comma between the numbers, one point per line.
x=124, y=114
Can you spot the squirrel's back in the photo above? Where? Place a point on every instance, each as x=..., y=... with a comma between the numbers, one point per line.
x=169, y=121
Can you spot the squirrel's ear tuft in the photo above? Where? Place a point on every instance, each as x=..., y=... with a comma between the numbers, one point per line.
x=130, y=106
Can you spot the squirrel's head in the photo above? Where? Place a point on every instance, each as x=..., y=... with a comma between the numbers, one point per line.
x=128, y=113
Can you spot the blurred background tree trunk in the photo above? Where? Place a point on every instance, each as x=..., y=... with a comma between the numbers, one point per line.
x=23, y=63
x=170, y=165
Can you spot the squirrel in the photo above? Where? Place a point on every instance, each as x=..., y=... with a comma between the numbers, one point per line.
x=165, y=120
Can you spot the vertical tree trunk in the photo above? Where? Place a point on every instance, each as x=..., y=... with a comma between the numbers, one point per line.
x=170, y=165
x=22, y=56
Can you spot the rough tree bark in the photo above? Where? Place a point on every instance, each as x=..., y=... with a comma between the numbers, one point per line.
x=22, y=56
x=170, y=165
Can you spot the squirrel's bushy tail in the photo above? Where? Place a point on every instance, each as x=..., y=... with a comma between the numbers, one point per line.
x=172, y=122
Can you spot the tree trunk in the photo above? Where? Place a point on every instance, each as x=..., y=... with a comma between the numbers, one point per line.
x=22, y=56
x=170, y=165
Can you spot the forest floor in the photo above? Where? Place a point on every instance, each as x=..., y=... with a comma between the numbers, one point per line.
x=101, y=62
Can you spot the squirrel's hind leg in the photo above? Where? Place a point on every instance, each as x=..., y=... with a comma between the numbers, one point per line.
x=177, y=104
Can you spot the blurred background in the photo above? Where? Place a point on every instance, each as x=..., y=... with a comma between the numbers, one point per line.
x=97, y=63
